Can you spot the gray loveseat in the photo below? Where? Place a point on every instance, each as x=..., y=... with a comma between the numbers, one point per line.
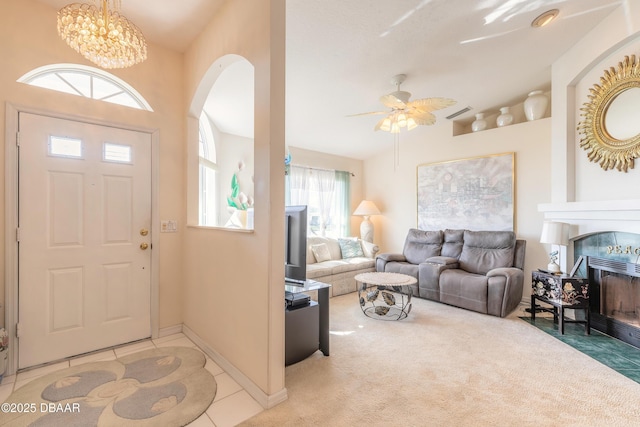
x=476, y=270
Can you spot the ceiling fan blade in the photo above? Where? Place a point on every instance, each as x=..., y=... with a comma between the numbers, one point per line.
x=423, y=118
x=431, y=104
x=392, y=102
x=371, y=113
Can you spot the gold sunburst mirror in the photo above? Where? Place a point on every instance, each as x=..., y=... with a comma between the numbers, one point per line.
x=610, y=130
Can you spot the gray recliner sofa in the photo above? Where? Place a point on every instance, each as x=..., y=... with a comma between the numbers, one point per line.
x=476, y=270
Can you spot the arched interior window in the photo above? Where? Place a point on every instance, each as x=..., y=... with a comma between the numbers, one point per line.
x=87, y=82
x=220, y=187
x=229, y=109
x=207, y=173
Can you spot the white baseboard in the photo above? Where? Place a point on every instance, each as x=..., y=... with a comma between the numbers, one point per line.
x=171, y=330
x=265, y=400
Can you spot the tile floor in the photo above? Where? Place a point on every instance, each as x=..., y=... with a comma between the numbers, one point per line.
x=231, y=406
x=607, y=350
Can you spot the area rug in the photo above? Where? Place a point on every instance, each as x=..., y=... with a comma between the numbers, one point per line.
x=160, y=387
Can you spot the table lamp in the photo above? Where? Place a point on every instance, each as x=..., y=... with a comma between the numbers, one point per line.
x=365, y=209
x=555, y=233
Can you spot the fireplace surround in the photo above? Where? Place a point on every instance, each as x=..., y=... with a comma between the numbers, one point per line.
x=611, y=265
x=607, y=234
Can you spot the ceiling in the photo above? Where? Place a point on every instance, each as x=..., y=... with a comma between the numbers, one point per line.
x=169, y=23
x=341, y=56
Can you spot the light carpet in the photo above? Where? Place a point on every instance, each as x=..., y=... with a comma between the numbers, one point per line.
x=445, y=366
x=166, y=386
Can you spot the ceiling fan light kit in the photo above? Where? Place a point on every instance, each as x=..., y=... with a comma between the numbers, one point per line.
x=394, y=123
x=405, y=113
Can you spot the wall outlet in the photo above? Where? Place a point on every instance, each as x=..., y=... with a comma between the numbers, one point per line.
x=169, y=226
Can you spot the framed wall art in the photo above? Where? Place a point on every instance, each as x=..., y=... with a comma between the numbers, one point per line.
x=474, y=194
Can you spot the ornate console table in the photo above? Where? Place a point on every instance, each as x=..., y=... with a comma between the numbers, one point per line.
x=561, y=292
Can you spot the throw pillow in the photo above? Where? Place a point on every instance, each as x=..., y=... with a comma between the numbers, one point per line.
x=321, y=252
x=350, y=248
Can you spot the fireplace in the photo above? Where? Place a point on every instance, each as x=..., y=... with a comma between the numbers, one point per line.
x=607, y=230
x=614, y=298
x=611, y=265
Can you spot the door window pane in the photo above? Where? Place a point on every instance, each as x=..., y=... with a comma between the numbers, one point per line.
x=65, y=147
x=116, y=153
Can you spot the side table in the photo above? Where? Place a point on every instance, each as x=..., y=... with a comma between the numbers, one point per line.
x=561, y=292
x=394, y=290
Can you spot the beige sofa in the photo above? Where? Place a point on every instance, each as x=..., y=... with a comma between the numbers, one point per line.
x=339, y=271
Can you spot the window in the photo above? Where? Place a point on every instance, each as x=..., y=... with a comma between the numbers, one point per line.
x=208, y=211
x=61, y=146
x=87, y=82
x=117, y=153
x=326, y=194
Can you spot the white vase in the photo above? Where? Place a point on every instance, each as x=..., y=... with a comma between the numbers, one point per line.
x=479, y=123
x=535, y=106
x=505, y=118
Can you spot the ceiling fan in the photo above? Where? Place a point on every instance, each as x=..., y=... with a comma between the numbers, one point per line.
x=405, y=113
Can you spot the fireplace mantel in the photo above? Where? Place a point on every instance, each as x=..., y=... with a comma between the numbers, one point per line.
x=592, y=217
x=595, y=216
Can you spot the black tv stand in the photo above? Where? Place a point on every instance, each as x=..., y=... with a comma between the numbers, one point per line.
x=297, y=347
x=301, y=338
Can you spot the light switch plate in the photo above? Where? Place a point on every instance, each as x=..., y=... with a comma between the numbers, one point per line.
x=169, y=226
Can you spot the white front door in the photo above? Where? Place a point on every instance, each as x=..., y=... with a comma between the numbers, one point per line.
x=84, y=220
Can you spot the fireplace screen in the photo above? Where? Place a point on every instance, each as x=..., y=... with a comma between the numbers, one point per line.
x=615, y=298
x=620, y=297
x=613, y=272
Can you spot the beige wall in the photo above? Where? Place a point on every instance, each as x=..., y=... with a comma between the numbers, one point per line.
x=575, y=178
x=26, y=44
x=395, y=191
x=315, y=159
x=594, y=183
x=233, y=280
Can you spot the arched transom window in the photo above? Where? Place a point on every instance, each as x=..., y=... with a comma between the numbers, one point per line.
x=86, y=81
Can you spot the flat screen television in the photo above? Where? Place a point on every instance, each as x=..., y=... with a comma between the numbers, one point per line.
x=295, y=243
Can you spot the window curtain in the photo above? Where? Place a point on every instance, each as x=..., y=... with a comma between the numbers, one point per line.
x=299, y=186
x=343, y=203
x=326, y=192
x=325, y=181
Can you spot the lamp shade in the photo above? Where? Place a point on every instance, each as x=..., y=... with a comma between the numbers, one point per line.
x=366, y=208
x=555, y=233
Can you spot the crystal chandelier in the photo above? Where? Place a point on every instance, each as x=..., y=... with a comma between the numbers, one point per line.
x=102, y=36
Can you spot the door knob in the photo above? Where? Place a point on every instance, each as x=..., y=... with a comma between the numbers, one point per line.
x=143, y=246
x=144, y=232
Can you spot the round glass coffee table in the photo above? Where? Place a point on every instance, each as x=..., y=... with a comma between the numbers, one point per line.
x=385, y=296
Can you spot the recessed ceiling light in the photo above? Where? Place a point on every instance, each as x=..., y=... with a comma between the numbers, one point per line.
x=545, y=18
